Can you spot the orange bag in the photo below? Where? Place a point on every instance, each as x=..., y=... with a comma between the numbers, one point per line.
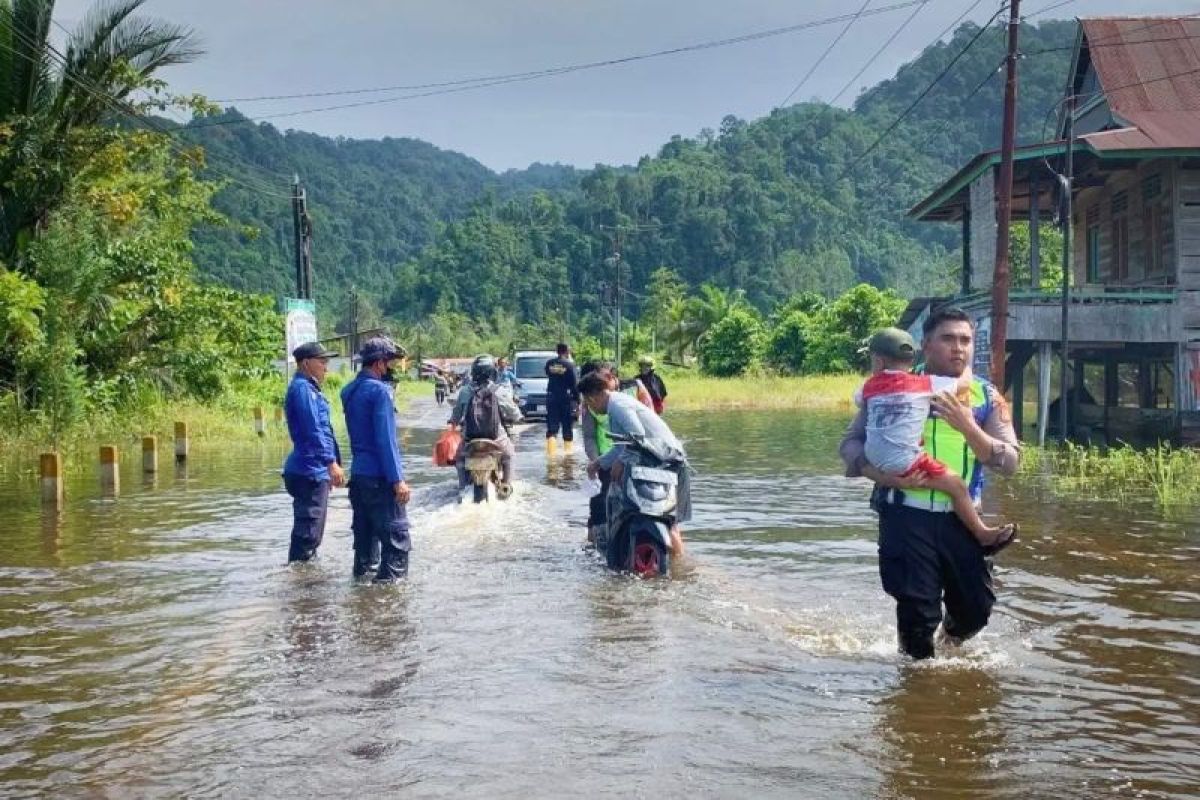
x=446, y=447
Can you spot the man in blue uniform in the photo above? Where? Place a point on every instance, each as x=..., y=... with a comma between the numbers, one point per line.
x=314, y=465
x=562, y=397
x=378, y=491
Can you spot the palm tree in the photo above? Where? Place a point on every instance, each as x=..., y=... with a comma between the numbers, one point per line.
x=689, y=319
x=48, y=97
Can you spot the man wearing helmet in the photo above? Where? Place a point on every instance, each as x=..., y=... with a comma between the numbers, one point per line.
x=485, y=409
x=378, y=491
x=653, y=383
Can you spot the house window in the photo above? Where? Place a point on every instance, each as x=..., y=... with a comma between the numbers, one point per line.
x=1119, y=263
x=1120, y=247
x=1152, y=239
x=1151, y=187
x=1093, y=253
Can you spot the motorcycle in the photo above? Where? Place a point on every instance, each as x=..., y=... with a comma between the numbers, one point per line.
x=641, y=508
x=483, y=467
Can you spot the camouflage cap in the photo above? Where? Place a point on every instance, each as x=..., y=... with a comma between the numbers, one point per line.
x=892, y=343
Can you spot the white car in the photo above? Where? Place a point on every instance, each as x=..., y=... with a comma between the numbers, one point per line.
x=530, y=366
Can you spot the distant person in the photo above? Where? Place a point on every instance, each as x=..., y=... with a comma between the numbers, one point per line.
x=441, y=387
x=314, y=465
x=653, y=383
x=927, y=557
x=505, y=376
x=632, y=387
x=485, y=409
x=378, y=491
x=897, y=403
x=562, y=398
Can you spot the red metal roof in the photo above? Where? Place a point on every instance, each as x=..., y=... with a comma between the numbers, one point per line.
x=1149, y=70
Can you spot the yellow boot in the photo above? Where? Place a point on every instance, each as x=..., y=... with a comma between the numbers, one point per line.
x=551, y=446
x=568, y=445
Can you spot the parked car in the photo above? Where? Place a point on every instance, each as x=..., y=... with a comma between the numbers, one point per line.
x=530, y=366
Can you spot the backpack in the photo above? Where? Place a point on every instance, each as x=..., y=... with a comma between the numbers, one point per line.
x=482, y=420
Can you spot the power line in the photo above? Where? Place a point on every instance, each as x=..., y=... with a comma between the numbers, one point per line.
x=120, y=106
x=929, y=88
x=821, y=59
x=551, y=71
x=133, y=113
x=880, y=51
x=1047, y=9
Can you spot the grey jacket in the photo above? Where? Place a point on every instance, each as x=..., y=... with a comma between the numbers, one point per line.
x=509, y=411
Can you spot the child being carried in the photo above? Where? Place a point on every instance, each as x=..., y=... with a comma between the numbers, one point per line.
x=897, y=404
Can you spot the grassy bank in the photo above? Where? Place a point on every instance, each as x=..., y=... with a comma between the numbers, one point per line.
x=690, y=392
x=1168, y=476
x=228, y=418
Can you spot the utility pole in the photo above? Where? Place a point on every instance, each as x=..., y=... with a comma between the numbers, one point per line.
x=353, y=319
x=1066, y=183
x=1001, y=276
x=302, y=230
x=617, y=283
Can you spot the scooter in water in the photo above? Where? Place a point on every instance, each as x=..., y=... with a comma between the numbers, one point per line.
x=482, y=462
x=641, y=508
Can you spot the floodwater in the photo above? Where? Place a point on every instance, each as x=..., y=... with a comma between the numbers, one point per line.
x=157, y=645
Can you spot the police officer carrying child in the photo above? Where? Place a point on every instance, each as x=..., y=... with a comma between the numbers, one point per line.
x=314, y=465
x=378, y=491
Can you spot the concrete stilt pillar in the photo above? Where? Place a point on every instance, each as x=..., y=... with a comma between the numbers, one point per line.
x=110, y=471
x=181, y=441
x=50, y=468
x=150, y=454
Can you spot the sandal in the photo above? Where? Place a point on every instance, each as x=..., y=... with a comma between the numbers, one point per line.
x=1006, y=536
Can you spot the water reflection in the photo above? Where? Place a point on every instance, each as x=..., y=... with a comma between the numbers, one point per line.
x=156, y=644
x=942, y=733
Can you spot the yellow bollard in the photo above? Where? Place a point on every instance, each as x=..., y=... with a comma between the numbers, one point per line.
x=181, y=441
x=50, y=467
x=110, y=471
x=279, y=415
x=150, y=454
x=260, y=425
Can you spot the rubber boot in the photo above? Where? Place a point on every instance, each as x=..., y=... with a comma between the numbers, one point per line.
x=568, y=445
x=551, y=446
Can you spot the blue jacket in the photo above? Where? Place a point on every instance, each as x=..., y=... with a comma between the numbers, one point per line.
x=371, y=423
x=314, y=447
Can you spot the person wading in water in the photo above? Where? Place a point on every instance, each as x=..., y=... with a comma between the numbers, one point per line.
x=927, y=557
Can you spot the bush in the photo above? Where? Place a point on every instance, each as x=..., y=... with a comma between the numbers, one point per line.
x=787, y=343
x=732, y=346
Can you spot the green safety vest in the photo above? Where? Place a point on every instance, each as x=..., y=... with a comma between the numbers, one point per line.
x=603, y=442
x=950, y=447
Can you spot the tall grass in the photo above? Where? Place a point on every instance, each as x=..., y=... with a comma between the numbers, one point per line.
x=690, y=392
x=1167, y=475
x=228, y=418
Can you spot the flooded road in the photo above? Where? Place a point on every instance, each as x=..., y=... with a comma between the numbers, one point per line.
x=157, y=645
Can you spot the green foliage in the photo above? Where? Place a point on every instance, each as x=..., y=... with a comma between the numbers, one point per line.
x=733, y=345
x=837, y=332
x=787, y=343
x=771, y=207
x=1050, y=241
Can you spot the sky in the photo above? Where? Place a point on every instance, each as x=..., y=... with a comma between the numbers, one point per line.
x=611, y=115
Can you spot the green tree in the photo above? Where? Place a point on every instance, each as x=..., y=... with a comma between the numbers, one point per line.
x=51, y=103
x=733, y=345
x=836, y=333
x=787, y=344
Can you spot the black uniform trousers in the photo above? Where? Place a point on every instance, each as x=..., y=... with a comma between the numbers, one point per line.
x=927, y=558
x=380, y=527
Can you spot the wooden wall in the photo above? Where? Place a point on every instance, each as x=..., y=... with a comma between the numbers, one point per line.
x=1095, y=206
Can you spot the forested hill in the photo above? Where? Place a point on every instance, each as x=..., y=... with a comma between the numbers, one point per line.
x=776, y=205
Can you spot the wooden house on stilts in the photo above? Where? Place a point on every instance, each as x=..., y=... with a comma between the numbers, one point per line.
x=1132, y=111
